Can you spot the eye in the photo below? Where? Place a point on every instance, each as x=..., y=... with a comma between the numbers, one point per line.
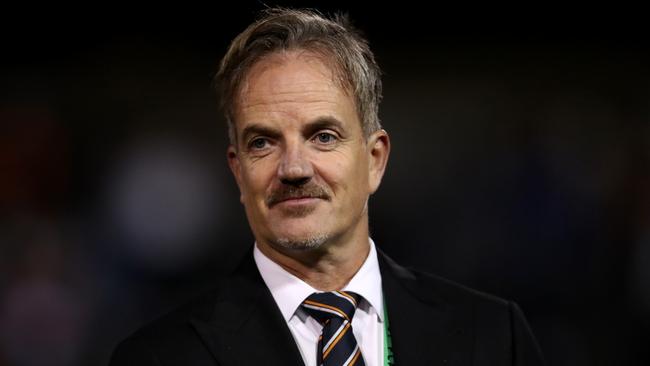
x=325, y=138
x=258, y=143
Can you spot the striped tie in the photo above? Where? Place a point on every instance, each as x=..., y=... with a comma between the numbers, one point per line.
x=334, y=310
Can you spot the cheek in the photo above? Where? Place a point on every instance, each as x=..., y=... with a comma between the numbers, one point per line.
x=251, y=180
x=345, y=177
x=258, y=178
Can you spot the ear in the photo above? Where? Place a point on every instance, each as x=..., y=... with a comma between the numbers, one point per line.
x=378, y=151
x=235, y=168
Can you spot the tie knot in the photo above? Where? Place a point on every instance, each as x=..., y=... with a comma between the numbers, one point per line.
x=327, y=305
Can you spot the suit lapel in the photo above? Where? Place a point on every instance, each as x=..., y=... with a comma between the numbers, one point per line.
x=424, y=329
x=244, y=326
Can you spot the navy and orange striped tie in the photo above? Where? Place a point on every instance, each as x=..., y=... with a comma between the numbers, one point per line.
x=334, y=310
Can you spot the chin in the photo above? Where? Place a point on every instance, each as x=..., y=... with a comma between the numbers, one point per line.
x=301, y=243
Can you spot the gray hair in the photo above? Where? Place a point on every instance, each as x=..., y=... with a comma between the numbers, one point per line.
x=334, y=38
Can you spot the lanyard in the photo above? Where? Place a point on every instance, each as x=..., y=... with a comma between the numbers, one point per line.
x=388, y=346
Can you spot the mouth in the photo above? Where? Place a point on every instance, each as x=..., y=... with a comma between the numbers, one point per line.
x=297, y=201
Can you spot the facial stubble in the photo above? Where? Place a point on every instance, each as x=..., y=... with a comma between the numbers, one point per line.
x=311, y=242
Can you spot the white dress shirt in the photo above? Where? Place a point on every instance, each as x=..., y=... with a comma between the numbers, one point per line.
x=289, y=292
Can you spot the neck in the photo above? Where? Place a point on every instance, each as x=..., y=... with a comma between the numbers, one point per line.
x=327, y=268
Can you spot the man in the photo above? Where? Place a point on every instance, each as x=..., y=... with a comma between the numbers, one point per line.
x=300, y=93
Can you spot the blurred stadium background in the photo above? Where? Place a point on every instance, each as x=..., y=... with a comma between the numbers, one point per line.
x=520, y=167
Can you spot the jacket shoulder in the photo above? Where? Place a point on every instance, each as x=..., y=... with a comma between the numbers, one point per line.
x=453, y=292
x=497, y=326
x=170, y=337
x=432, y=288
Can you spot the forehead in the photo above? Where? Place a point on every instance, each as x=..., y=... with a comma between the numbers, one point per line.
x=292, y=82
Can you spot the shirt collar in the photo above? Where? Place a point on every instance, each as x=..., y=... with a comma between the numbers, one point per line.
x=289, y=291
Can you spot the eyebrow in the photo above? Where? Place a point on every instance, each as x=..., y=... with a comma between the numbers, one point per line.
x=258, y=129
x=322, y=122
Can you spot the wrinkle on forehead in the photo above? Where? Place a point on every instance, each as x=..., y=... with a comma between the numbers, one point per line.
x=322, y=64
x=289, y=97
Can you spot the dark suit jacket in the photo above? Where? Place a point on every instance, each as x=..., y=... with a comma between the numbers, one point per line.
x=432, y=322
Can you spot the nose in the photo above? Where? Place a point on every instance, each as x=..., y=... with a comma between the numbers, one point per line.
x=295, y=169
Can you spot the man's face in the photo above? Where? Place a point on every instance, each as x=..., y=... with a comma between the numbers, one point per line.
x=302, y=163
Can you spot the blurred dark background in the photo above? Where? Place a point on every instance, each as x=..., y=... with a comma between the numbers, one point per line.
x=520, y=167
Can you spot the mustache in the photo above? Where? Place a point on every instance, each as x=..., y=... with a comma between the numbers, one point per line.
x=286, y=192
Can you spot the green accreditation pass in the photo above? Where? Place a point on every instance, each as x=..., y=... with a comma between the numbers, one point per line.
x=388, y=346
